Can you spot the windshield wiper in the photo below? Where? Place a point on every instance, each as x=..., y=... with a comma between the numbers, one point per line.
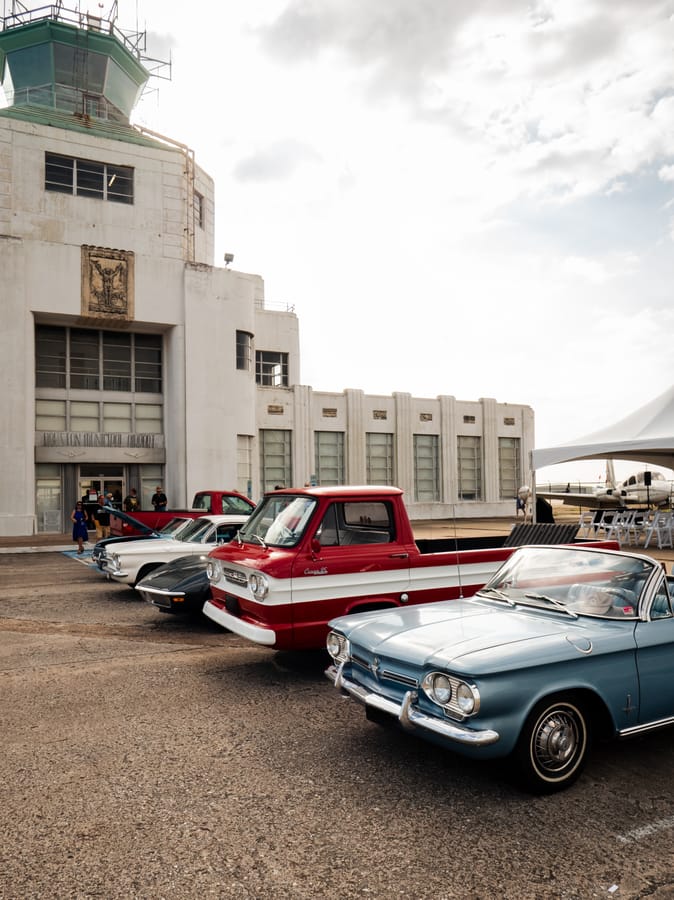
x=555, y=602
x=500, y=595
x=255, y=537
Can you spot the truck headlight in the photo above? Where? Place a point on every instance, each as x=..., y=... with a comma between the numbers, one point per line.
x=213, y=570
x=337, y=646
x=258, y=585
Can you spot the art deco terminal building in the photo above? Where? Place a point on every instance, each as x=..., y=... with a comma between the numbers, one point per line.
x=129, y=360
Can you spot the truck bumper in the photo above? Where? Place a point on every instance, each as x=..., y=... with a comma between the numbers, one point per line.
x=244, y=629
x=409, y=717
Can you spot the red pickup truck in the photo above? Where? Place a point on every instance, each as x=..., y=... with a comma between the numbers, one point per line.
x=308, y=555
x=205, y=502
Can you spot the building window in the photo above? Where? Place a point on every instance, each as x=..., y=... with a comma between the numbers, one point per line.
x=379, y=458
x=147, y=360
x=116, y=361
x=85, y=363
x=82, y=359
x=48, y=499
x=271, y=368
x=244, y=464
x=426, y=467
x=84, y=416
x=117, y=418
x=509, y=473
x=469, y=453
x=148, y=418
x=275, y=458
x=329, y=457
x=51, y=354
x=88, y=178
x=244, y=351
x=50, y=415
x=198, y=202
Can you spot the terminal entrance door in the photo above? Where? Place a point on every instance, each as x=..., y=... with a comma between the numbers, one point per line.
x=96, y=479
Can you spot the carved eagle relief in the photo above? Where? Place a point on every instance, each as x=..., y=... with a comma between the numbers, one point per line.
x=107, y=283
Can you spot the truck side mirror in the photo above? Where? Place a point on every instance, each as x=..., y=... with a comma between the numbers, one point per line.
x=315, y=547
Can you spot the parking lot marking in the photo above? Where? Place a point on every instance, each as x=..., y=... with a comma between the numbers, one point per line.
x=637, y=834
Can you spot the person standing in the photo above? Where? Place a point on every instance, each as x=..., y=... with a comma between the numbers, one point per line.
x=79, y=519
x=103, y=518
x=159, y=500
x=131, y=503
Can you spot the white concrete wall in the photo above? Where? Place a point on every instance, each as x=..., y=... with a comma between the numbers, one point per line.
x=357, y=413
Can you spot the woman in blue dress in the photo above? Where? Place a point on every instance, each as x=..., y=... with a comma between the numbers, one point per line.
x=79, y=519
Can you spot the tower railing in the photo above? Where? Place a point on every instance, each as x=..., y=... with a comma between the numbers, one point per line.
x=134, y=41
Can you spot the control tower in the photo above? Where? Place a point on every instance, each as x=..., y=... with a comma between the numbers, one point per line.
x=57, y=63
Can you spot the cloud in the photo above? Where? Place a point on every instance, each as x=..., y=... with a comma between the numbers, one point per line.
x=277, y=162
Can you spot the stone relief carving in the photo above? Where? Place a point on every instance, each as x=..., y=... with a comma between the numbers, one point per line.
x=107, y=283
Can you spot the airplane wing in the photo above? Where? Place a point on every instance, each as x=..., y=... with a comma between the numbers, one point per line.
x=590, y=500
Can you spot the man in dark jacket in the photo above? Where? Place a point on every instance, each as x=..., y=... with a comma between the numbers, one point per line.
x=159, y=500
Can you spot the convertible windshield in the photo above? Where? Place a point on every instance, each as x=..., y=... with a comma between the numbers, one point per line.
x=278, y=521
x=572, y=580
x=172, y=526
x=195, y=531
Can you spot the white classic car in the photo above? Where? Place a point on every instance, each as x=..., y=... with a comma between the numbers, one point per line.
x=129, y=562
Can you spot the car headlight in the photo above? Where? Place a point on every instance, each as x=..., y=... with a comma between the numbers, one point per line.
x=338, y=646
x=467, y=698
x=115, y=559
x=213, y=570
x=438, y=687
x=259, y=585
x=458, y=697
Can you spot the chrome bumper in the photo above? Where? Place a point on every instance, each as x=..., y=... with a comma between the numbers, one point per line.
x=264, y=636
x=111, y=570
x=409, y=717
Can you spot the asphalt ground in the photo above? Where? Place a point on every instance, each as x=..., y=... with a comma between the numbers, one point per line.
x=146, y=756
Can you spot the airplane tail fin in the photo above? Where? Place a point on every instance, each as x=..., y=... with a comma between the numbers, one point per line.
x=610, y=475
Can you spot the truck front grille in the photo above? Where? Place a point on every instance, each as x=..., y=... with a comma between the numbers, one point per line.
x=235, y=577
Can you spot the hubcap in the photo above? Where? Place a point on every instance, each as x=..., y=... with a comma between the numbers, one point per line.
x=556, y=740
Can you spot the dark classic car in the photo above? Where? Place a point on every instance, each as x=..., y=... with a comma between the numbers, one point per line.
x=181, y=586
x=562, y=645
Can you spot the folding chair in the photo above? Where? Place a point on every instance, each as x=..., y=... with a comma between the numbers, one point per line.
x=586, y=524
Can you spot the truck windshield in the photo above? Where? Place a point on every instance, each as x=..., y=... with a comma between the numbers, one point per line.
x=279, y=520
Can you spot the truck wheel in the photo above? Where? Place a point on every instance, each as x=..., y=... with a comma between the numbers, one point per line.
x=553, y=746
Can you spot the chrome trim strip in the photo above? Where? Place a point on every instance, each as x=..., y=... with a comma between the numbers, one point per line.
x=647, y=726
x=409, y=717
x=160, y=591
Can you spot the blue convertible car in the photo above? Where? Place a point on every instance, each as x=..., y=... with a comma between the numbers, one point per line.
x=563, y=645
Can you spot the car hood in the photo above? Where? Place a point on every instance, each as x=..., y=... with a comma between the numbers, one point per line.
x=477, y=636
x=171, y=575
x=156, y=546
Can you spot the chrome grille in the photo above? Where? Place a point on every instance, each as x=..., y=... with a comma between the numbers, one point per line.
x=374, y=666
x=235, y=577
x=398, y=677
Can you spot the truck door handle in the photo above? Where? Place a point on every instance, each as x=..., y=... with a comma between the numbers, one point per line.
x=398, y=555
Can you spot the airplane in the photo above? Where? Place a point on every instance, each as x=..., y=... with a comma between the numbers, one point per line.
x=644, y=488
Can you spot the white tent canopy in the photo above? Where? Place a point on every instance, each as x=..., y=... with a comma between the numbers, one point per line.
x=647, y=435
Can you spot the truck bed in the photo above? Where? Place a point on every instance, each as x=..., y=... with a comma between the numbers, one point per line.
x=535, y=533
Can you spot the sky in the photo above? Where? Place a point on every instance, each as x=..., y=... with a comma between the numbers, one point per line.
x=463, y=197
